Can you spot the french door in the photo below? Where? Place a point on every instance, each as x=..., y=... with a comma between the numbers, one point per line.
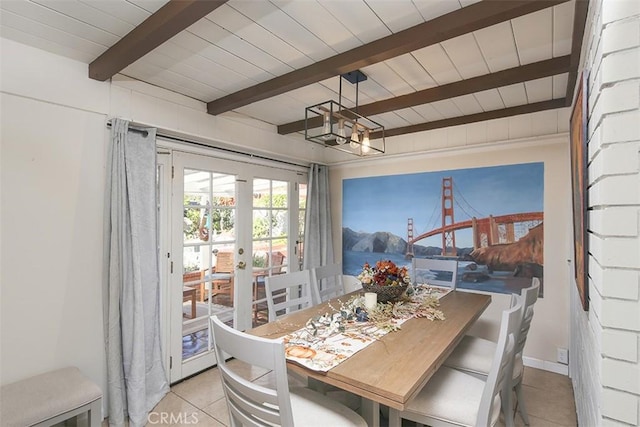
x=232, y=223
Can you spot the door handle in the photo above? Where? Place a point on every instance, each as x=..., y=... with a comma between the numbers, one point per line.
x=242, y=265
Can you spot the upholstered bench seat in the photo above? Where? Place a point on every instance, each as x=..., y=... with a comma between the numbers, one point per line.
x=50, y=398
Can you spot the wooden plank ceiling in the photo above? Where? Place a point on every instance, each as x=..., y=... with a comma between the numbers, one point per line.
x=430, y=63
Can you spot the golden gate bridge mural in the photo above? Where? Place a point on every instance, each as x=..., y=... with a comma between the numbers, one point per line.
x=494, y=240
x=498, y=250
x=488, y=231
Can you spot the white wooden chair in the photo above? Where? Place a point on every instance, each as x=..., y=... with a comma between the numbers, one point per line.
x=437, y=272
x=327, y=282
x=288, y=292
x=455, y=398
x=474, y=355
x=351, y=283
x=250, y=404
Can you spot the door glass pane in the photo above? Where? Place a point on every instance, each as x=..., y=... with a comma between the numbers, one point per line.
x=270, y=238
x=208, y=247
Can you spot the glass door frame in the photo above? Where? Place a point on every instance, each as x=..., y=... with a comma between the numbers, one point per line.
x=245, y=173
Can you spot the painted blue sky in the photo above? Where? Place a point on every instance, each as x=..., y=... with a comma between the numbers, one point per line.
x=385, y=203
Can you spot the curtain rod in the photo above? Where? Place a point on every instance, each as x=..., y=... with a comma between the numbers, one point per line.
x=199, y=144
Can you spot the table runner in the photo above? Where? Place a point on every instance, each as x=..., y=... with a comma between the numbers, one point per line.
x=326, y=341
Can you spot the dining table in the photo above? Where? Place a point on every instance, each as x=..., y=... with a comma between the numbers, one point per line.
x=394, y=368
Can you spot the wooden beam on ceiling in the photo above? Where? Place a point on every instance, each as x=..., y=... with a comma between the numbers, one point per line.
x=473, y=118
x=168, y=21
x=579, y=22
x=462, y=21
x=502, y=78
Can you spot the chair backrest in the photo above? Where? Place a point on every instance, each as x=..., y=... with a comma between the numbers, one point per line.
x=327, y=282
x=351, y=283
x=288, y=292
x=499, y=376
x=438, y=272
x=224, y=262
x=529, y=298
x=249, y=403
x=277, y=262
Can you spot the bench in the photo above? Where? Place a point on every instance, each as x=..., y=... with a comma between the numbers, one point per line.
x=50, y=398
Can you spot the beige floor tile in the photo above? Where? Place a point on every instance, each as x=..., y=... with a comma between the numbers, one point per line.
x=219, y=411
x=175, y=411
x=539, y=422
x=553, y=405
x=201, y=390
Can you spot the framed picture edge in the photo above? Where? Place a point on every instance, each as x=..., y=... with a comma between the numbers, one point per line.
x=579, y=162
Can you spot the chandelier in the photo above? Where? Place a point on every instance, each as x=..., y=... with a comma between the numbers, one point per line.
x=330, y=124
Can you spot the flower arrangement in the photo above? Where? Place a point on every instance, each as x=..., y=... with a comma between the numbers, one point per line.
x=384, y=273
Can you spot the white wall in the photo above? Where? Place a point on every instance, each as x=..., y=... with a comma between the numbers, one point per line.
x=550, y=327
x=605, y=356
x=53, y=151
x=52, y=181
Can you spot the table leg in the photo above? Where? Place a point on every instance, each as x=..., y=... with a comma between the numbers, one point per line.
x=370, y=411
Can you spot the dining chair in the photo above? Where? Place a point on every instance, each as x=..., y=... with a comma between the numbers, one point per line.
x=438, y=272
x=251, y=404
x=474, y=356
x=288, y=292
x=455, y=398
x=351, y=283
x=327, y=282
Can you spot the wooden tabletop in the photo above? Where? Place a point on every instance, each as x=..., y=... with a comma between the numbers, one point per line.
x=392, y=370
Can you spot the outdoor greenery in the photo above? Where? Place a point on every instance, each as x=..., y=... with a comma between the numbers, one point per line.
x=196, y=227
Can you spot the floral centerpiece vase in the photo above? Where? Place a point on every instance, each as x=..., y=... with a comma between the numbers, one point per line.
x=386, y=279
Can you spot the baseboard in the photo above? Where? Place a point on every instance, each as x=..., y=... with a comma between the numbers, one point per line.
x=545, y=365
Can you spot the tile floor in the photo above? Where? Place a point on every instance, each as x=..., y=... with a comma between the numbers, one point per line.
x=549, y=399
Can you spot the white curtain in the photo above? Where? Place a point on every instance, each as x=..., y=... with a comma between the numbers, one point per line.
x=318, y=240
x=135, y=372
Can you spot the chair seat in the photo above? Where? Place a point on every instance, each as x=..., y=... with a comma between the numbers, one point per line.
x=311, y=408
x=451, y=396
x=474, y=355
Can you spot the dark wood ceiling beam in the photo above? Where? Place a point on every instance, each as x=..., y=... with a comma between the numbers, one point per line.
x=473, y=118
x=579, y=22
x=528, y=72
x=462, y=21
x=168, y=21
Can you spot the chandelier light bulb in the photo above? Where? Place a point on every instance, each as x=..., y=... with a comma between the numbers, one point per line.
x=366, y=145
x=342, y=135
x=326, y=127
x=355, y=137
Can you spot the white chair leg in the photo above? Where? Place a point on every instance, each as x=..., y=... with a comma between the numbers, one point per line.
x=520, y=402
x=95, y=413
x=507, y=406
x=394, y=418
